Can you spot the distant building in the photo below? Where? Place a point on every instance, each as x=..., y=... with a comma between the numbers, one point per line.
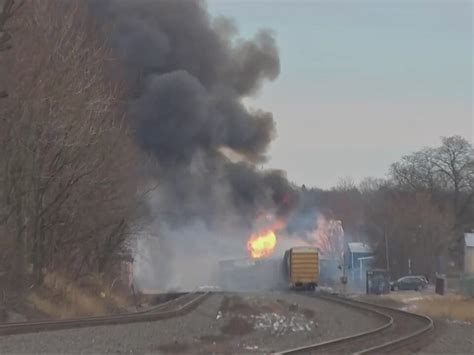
x=469, y=253
x=358, y=258
x=357, y=251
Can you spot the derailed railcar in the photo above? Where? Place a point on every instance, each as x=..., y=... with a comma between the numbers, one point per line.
x=236, y=274
x=301, y=267
x=250, y=274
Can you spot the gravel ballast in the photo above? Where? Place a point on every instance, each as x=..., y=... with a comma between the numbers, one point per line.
x=230, y=322
x=451, y=337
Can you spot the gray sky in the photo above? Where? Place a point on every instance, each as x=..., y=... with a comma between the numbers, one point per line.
x=362, y=82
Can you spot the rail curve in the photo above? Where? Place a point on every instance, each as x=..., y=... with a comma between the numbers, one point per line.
x=172, y=308
x=399, y=329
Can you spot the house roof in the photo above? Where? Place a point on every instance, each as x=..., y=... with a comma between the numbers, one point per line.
x=358, y=247
x=469, y=239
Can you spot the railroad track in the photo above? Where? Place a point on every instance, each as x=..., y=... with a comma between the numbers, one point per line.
x=400, y=329
x=172, y=308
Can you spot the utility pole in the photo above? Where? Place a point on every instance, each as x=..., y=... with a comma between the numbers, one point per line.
x=344, y=277
x=387, y=259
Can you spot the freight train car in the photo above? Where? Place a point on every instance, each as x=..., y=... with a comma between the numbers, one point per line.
x=250, y=274
x=301, y=267
x=236, y=274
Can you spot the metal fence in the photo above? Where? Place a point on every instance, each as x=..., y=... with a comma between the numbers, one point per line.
x=466, y=285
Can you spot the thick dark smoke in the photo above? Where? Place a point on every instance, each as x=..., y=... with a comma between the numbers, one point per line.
x=188, y=74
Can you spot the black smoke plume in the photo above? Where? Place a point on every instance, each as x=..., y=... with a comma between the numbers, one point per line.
x=188, y=74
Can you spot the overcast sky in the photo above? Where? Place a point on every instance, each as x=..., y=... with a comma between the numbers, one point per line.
x=362, y=82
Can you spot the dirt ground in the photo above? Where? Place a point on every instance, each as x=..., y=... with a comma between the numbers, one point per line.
x=265, y=322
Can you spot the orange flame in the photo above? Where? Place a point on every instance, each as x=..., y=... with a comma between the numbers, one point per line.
x=262, y=243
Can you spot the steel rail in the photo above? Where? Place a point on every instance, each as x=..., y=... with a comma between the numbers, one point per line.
x=398, y=342
x=152, y=314
x=368, y=307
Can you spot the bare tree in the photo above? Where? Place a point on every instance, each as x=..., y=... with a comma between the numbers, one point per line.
x=329, y=238
x=418, y=213
x=68, y=177
x=454, y=159
x=7, y=10
x=417, y=171
x=442, y=171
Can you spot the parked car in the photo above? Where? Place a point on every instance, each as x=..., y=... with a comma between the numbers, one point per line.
x=415, y=283
x=424, y=279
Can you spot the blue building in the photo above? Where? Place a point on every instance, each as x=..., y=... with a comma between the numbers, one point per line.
x=358, y=259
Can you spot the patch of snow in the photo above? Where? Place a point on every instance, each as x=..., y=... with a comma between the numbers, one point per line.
x=249, y=347
x=455, y=321
x=412, y=299
x=410, y=308
x=326, y=289
x=280, y=324
x=208, y=288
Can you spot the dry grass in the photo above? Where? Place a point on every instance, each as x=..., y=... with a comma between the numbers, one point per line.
x=450, y=306
x=66, y=309
x=59, y=298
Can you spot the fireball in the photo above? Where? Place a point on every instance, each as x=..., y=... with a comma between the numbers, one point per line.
x=261, y=243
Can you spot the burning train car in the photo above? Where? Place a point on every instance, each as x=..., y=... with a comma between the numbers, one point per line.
x=299, y=267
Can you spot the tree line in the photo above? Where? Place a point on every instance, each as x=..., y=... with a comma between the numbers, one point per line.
x=70, y=193
x=418, y=213
x=68, y=161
